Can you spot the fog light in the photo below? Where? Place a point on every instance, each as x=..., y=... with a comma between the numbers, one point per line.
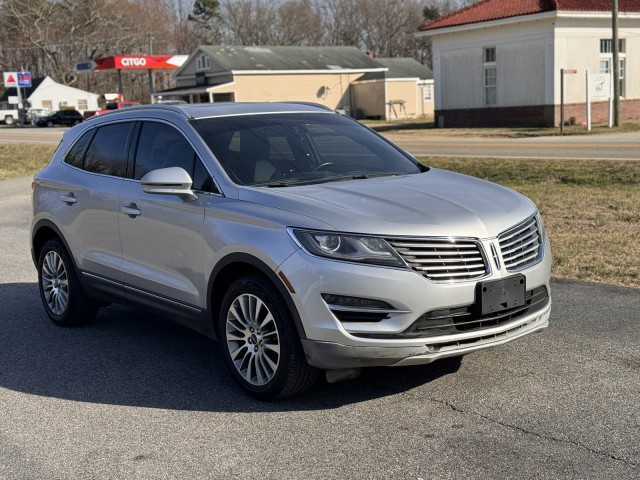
x=356, y=309
x=355, y=302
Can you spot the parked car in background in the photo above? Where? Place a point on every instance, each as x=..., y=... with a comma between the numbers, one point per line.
x=9, y=116
x=299, y=238
x=36, y=113
x=61, y=117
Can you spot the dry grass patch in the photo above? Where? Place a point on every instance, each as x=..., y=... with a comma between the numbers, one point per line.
x=591, y=211
x=21, y=159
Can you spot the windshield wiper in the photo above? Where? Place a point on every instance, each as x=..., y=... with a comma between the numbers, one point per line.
x=278, y=185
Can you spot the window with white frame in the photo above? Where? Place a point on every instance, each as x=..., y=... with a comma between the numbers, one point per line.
x=82, y=104
x=426, y=91
x=490, y=73
x=202, y=63
x=606, y=60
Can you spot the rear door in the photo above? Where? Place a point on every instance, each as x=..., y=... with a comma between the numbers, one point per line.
x=88, y=199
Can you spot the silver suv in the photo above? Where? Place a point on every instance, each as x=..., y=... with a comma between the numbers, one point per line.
x=300, y=239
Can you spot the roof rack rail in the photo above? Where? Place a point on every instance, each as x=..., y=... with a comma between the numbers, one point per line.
x=310, y=104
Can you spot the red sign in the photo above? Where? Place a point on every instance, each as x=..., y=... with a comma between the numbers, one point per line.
x=140, y=62
x=569, y=71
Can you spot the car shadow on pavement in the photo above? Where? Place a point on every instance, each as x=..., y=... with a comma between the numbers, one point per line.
x=127, y=357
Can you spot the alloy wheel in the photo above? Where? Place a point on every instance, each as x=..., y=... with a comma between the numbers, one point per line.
x=55, y=283
x=253, y=339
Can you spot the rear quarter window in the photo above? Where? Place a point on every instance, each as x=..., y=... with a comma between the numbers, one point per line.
x=75, y=156
x=107, y=153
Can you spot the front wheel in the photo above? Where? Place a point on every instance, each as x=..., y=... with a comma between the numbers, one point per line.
x=261, y=344
x=62, y=296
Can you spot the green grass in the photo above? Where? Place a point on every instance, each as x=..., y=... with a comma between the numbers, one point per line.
x=591, y=208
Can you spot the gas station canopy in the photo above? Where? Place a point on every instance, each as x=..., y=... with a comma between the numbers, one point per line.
x=132, y=62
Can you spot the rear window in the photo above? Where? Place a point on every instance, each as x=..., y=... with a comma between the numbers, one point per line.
x=289, y=149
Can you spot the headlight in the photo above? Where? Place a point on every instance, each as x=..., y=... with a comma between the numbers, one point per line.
x=348, y=248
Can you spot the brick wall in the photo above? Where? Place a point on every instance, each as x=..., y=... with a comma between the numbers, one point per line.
x=533, y=116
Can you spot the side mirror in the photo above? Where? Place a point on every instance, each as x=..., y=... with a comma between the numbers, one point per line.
x=169, y=181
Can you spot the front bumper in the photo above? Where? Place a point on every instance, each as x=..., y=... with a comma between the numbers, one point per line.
x=333, y=343
x=330, y=356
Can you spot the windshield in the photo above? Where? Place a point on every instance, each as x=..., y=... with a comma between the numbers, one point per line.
x=278, y=150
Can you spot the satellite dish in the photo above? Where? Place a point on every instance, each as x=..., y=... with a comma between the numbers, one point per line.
x=322, y=92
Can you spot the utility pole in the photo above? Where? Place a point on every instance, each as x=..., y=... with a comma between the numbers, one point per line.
x=616, y=63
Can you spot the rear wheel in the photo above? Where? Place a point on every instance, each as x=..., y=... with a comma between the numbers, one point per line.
x=8, y=120
x=62, y=296
x=261, y=344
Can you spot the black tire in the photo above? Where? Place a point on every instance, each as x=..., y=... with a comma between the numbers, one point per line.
x=64, y=300
x=260, y=341
x=49, y=124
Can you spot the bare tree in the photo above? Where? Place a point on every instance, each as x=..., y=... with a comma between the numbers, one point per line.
x=298, y=22
x=249, y=22
x=48, y=37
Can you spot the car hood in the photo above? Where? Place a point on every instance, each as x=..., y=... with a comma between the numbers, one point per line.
x=434, y=203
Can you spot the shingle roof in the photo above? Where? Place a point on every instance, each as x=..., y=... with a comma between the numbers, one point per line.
x=290, y=58
x=404, y=67
x=487, y=10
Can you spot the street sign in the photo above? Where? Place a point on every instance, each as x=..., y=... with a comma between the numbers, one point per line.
x=569, y=71
x=600, y=85
x=85, y=67
x=24, y=79
x=10, y=79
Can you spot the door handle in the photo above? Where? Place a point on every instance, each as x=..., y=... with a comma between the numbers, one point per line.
x=132, y=210
x=69, y=199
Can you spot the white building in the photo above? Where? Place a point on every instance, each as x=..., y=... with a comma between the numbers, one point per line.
x=46, y=93
x=498, y=62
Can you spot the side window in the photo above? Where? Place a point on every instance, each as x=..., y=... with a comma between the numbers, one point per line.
x=107, y=153
x=162, y=146
x=75, y=155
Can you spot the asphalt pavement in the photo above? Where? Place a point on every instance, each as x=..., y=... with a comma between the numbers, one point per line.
x=447, y=143
x=136, y=397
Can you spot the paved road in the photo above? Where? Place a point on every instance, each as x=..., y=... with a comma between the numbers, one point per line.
x=442, y=143
x=615, y=146
x=15, y=134
x=134, y=397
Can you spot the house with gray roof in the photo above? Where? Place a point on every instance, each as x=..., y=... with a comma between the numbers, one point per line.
x=323, y=75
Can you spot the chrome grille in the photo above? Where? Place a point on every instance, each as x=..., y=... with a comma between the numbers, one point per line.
x=521, y=245
x=444, y=260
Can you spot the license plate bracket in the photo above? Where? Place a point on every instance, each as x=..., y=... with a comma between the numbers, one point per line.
x=498, y=295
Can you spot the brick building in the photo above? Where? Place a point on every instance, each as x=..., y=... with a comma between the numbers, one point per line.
x=498, y=62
